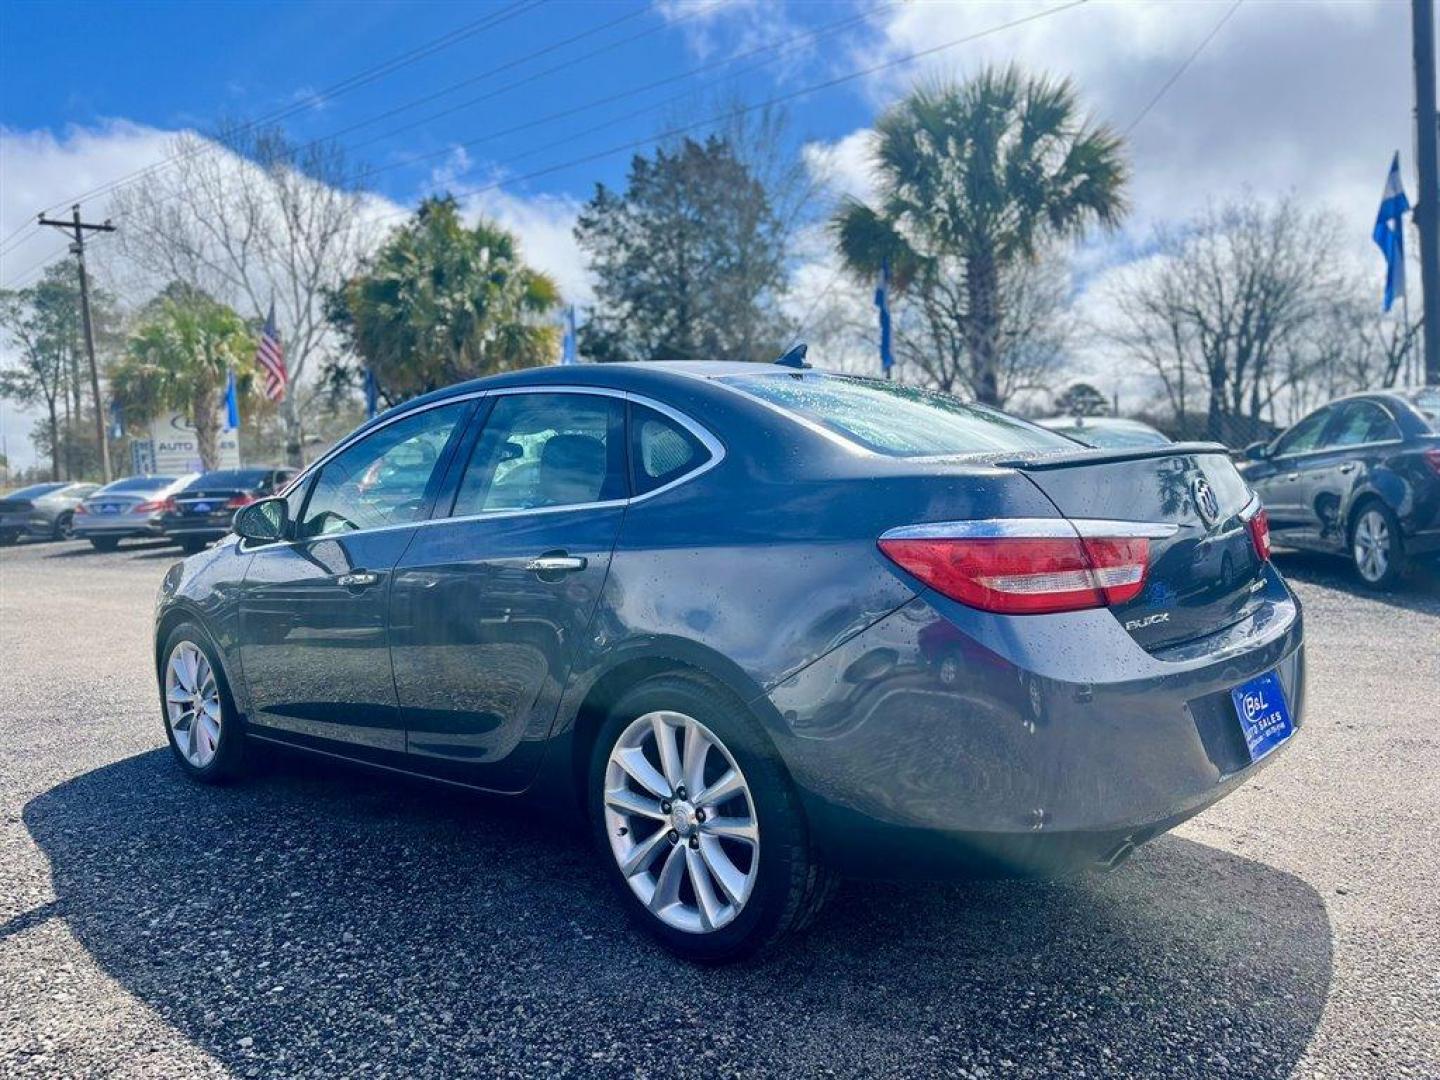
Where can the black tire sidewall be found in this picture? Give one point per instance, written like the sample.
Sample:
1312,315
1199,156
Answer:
1395,567
228,762
104,543
784,850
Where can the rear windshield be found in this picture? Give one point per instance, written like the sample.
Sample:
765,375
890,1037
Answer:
137,483
1113,438
900,421
231,478
34,491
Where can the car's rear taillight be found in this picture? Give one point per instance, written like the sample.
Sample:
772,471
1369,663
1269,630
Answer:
237,501
1432,458
1259,526
81,509
154,506
1025,575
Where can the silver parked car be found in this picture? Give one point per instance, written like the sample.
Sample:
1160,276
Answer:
43,510
131,507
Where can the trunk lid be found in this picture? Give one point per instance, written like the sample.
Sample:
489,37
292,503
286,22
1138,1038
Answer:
1203,577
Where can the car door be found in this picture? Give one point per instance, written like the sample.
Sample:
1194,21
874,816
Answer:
314,641
491,602
1352,445
1278,481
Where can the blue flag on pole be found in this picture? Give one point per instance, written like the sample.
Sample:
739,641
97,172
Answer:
1389,232
569,353
372,394
232,403
882,301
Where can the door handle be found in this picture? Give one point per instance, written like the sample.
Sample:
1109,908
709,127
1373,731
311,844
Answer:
1348,468
1293,476
555,564
359,579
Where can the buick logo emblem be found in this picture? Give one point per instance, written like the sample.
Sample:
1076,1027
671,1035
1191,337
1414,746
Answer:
1206,504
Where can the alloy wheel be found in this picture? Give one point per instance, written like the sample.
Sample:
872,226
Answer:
681,822
192,704
1372,545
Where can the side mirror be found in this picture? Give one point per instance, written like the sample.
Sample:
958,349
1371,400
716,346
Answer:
264,521
1257,451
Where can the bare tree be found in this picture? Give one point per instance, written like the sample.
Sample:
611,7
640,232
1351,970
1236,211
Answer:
933,343
1225,312
252,219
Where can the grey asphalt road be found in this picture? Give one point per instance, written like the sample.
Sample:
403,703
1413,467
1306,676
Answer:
319,921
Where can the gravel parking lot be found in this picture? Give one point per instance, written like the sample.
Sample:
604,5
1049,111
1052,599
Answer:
323,921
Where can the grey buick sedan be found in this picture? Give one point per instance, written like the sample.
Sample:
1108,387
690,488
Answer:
756,625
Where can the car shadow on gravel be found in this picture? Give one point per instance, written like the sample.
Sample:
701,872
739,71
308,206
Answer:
1418,591
323,921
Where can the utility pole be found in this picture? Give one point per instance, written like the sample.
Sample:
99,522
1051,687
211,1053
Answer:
1427,209
77,248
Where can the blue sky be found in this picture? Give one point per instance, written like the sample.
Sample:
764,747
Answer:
1308,99
175,65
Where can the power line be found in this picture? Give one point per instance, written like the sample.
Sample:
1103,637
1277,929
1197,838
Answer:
1183,67
745,109
779,48
361,78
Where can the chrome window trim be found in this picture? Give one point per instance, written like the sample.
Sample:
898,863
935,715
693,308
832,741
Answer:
1032,529
701,433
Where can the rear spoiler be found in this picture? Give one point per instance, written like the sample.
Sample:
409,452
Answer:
1102,457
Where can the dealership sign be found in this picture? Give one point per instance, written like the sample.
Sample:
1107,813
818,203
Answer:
175,449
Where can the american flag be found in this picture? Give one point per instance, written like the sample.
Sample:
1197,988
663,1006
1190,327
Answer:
271,358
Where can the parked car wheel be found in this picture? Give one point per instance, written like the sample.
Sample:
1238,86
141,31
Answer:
105,543
1376,547
192,544
704,837
201,724
64,528
8,537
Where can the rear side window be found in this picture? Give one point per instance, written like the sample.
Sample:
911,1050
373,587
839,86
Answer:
661,450
1362,422
900,421
546,450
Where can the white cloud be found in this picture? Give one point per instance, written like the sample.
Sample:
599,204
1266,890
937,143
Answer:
1302,99
37,169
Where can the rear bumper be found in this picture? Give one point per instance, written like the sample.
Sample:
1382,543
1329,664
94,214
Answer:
117,526
207,527
943,740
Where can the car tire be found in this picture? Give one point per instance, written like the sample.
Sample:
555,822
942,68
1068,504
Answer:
8,537
64,528
757,894
217,752
192,545
1377,550
105,543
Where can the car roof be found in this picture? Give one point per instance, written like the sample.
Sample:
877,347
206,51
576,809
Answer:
638,376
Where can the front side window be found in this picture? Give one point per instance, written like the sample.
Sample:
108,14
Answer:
1303,436
384,478
900,421
661,450
546,450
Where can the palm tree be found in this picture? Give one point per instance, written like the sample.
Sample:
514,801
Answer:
179,357
974,181
442,301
